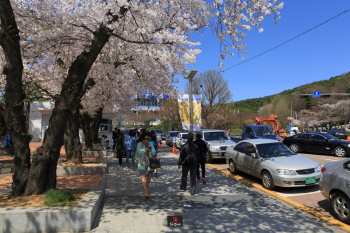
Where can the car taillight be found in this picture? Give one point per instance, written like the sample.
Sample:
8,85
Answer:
335,133
283,139
323,169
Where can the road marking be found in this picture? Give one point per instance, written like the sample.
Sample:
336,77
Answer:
307,209
297,194
332,160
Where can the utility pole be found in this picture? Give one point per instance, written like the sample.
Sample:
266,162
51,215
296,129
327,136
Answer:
190,76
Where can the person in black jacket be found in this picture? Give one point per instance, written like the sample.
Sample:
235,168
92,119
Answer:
188,159
202,151
115,136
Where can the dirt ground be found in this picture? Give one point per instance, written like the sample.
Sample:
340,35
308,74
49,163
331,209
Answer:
69,163
6,157
62,180
37,200
5,180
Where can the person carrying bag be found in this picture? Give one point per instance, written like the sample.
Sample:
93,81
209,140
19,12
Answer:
145,150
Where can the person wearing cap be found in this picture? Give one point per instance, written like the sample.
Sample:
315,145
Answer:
188,160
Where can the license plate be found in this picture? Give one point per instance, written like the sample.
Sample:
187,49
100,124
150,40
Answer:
310,180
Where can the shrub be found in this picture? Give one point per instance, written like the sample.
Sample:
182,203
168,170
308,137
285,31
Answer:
56,197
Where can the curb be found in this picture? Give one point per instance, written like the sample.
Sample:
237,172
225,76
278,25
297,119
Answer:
294,203
71,170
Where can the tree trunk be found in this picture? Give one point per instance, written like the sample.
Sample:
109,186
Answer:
96,121
42,174
14,96
85,124
71,139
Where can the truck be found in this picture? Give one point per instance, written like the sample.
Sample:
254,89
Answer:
255,132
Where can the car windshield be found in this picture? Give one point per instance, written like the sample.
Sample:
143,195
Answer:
330,137
184,136
261,131
173,134
158,131
273,150
213,136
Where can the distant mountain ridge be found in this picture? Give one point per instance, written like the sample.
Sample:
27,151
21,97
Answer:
337,84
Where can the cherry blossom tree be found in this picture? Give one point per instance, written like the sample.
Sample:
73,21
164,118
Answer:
64,44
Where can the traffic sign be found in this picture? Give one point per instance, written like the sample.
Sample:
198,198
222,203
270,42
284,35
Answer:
317,94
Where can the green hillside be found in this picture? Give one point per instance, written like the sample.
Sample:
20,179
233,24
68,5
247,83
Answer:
338,84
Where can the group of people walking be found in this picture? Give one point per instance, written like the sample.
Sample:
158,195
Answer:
145,146
192,156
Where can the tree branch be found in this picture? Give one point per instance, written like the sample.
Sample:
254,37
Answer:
53,97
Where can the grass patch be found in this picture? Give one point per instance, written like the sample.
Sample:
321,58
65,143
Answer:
56,197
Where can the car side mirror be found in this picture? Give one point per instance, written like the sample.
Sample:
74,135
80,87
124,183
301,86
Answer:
253,155
251,135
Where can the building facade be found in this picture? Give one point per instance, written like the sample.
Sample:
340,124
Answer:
39,118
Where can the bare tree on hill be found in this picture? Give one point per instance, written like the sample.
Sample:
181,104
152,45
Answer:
214,90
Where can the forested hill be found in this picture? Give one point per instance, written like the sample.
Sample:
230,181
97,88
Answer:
338,84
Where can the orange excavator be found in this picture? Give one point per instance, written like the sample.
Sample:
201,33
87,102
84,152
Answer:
271,119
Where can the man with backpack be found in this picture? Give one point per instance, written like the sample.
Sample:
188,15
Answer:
188,159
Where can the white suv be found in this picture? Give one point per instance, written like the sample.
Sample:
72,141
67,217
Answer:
217,142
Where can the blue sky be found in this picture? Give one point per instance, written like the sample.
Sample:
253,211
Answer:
317,55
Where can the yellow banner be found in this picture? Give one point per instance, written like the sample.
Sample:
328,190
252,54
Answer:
184,109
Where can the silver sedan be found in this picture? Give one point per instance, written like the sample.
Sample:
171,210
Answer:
273,162
335,186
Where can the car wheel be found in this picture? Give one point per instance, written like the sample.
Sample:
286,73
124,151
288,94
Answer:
232,167
340,207
294,148
339,151
208,158
267,181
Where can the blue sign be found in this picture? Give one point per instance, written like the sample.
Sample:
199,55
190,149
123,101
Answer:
317,94
288,126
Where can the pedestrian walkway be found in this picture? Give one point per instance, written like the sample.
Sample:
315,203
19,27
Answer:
221,205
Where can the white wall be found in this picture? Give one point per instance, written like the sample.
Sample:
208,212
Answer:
38,111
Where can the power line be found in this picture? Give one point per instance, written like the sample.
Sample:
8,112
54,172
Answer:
289,40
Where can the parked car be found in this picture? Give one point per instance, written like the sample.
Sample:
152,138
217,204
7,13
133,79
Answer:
180,140
217,142
161,133
171,137
341,134
159,138
273,162
318,143
334,185
236,138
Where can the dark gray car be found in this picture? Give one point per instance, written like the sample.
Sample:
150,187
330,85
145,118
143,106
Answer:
335,186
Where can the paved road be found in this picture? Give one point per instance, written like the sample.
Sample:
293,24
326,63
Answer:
308,196
222,205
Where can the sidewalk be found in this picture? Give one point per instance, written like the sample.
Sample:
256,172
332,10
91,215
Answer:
221,205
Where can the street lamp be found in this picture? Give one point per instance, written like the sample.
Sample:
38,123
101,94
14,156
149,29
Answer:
190,76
